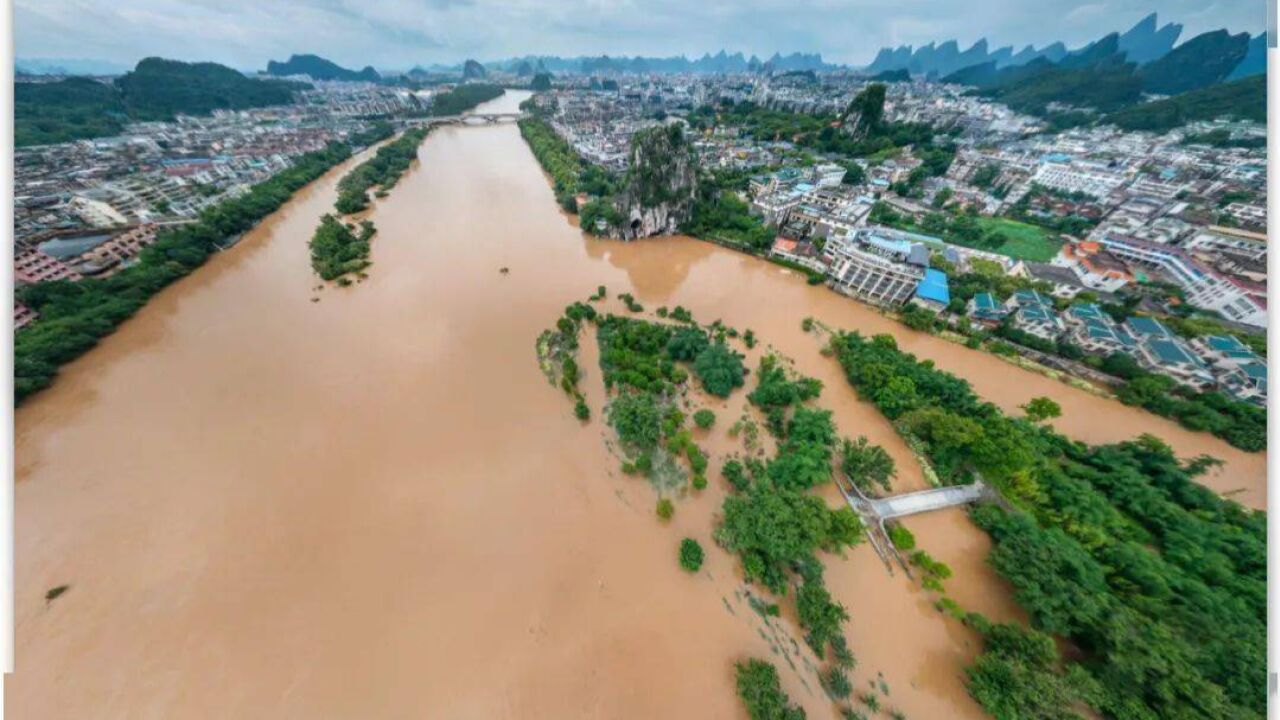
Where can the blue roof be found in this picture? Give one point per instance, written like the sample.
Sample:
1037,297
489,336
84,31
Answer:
1089,311
985,301
1225,343
1036,313
1144,326
934,287
1168,352
899,247
1031,297
1255,370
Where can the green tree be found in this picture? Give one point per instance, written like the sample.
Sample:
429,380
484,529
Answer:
704,418
1041,408
761,691
690,555
720,369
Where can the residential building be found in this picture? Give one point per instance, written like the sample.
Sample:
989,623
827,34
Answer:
876,265
986,308
1205,288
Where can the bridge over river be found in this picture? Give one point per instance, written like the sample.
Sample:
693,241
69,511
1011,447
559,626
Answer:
476,118
876,511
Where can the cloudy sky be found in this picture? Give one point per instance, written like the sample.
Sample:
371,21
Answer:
397,34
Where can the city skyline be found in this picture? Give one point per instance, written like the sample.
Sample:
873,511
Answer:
398,35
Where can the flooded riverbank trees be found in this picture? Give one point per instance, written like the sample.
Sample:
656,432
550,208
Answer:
338,248
1157,582
771,519
74,315
383,170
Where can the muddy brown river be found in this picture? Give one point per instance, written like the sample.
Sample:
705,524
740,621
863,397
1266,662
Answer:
375,505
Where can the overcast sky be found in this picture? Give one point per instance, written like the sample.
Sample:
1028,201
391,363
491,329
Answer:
397,34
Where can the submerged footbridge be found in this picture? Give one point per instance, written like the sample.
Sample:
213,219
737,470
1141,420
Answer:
875,511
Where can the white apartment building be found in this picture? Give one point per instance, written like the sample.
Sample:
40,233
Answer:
1204,287
875,265
1076,178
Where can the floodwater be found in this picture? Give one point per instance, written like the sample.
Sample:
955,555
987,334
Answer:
375,505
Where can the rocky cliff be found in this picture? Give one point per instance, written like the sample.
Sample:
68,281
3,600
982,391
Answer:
661,187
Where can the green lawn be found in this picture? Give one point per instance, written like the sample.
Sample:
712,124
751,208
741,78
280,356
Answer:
1025,241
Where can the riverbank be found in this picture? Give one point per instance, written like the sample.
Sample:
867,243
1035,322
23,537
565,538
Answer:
75,315
306,493
1239,423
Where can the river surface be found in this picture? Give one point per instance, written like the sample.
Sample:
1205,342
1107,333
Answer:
374,504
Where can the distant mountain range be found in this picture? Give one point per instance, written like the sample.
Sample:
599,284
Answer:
1145,43
1210,75
721,62
67,66
317,68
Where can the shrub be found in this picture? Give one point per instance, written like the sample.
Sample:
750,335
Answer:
901,537
836,682
580,410
666,509
690,555
699,482
704,418
761,691
697,459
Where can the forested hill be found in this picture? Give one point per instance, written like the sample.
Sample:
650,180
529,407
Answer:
1244,99
160,89
318,68
79,108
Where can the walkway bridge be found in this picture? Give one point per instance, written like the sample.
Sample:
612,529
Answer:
876,511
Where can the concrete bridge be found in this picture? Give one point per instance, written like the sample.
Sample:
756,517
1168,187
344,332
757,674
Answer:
875,511
492,118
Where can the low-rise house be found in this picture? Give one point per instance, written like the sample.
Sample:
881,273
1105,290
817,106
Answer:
801,252
34,266
1092,330
1246,381
1063,283
1170,356
1094,267
1033,314
22,315
986,308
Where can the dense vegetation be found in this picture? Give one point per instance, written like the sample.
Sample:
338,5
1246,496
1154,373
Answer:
1157,582
1245,99
776,526
382,170
77,108
74,315
1242,424
159,89
761,691
71,109
570,174
463,98
865,132
338,248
